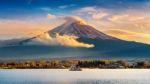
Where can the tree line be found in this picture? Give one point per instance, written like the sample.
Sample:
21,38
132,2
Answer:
65,64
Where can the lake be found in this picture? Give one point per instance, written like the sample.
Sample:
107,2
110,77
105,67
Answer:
63,76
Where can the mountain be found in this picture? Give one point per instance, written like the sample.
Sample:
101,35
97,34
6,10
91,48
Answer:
105,46
77,27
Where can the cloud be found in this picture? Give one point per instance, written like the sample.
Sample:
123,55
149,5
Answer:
129,35
87,10
64,40
125,18
136,20
51,16
93,12
129,15
63,7
99,15
75,19
66,6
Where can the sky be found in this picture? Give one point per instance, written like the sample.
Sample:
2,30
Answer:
125,19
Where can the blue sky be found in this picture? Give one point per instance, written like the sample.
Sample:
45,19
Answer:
12,8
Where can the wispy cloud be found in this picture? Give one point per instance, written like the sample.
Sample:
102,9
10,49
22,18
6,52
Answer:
125,18
66,6
131,19
92,12
51,16
129,35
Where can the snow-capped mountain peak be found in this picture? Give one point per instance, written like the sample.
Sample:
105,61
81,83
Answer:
78,27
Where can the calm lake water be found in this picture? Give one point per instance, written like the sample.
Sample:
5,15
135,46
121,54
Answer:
63,76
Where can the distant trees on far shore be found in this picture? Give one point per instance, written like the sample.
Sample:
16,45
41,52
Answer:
65,64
